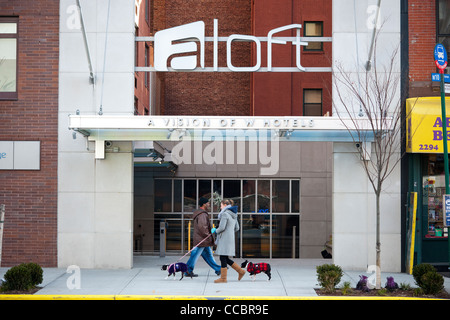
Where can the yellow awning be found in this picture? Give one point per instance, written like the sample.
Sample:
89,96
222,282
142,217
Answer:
424,124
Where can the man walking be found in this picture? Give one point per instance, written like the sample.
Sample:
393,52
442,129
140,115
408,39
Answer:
202,230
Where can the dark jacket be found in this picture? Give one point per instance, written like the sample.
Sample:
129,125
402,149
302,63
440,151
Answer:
202,228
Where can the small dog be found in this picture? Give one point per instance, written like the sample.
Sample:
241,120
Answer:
256,268
174,268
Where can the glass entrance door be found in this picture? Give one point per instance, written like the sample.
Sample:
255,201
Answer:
268,212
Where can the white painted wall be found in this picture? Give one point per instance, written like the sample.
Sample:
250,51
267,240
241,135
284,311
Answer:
95,197
354,217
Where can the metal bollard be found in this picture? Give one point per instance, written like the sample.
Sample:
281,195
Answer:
162,239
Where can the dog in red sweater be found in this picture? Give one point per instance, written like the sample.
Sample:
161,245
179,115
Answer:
255,268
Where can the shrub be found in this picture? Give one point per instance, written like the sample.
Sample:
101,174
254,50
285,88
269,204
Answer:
432,282
37,274
419,270
17,278
427,278
329,276
24,276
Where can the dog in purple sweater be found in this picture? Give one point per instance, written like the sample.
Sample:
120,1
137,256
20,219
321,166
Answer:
174,268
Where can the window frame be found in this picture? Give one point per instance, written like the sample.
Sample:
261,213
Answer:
12,95
305,104
305,48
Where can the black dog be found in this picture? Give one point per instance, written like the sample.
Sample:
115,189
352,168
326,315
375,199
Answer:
174,268
256,268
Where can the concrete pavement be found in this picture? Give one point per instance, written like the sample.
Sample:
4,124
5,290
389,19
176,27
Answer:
291,279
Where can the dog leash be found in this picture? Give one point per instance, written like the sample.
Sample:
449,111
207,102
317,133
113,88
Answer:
190,251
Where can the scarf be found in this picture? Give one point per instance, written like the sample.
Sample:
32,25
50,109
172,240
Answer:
223,210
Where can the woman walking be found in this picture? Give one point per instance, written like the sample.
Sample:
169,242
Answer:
228,226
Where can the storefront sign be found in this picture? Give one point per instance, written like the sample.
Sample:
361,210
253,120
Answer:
182,47
424,125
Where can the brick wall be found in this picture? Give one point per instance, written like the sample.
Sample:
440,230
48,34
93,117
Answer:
236,93
30,197
206,93
281,94
422,40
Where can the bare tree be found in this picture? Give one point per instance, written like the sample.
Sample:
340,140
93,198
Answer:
370,107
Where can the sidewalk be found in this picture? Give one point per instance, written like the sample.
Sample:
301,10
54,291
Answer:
291,279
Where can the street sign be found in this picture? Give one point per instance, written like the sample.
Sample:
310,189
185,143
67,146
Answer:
440,56
446,205
437,77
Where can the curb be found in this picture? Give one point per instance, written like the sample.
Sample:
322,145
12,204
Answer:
172,297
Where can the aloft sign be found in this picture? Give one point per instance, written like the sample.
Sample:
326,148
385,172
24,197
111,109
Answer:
189,40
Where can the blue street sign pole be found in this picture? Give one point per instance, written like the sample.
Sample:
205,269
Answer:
444,134
440,57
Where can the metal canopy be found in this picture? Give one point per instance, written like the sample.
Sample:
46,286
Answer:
175,128
101,128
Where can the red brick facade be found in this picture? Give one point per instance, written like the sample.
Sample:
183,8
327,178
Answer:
422,40
30,197
281,94
243,93
207,93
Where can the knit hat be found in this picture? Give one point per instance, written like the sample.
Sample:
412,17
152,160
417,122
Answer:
202,201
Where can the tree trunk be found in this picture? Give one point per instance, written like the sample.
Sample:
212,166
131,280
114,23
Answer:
378,244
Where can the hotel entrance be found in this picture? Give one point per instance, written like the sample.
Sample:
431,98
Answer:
268,209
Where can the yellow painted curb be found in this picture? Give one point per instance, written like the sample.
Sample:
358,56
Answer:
180,297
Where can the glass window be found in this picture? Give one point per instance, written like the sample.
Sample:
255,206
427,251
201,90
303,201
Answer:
268,229
444,16
295,196
232,190
443,21
173,231
177,195
204,189
313,29
312,102
285,236
163,195
8,58
256,235
280,196
217,195
433,190
263,203
248,196
190,195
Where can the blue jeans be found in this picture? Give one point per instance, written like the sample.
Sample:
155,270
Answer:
206,254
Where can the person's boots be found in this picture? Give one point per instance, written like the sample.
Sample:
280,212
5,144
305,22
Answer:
223,276
239,270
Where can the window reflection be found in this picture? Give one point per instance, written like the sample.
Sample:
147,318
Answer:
232,190
263,204
256,235
280,196
268,214
173,231
163,195
177,195
190,195
285,231
248,195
